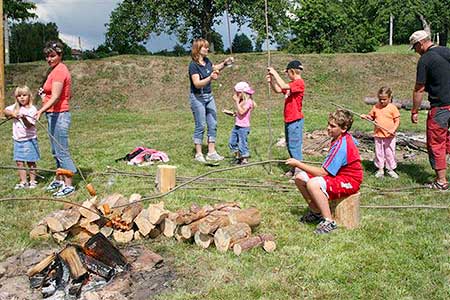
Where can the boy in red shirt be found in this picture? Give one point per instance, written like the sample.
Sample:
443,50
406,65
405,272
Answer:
339,176
293,115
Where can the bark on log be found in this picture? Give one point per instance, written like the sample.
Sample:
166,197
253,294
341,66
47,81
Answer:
73,261
154,233
225,237
40,266
222,206
251,242
251,216
203,240
106,205
62,220
60,236
191,217
213,222
130,212
188,231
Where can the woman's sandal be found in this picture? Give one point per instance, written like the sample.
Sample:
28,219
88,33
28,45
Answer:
438,186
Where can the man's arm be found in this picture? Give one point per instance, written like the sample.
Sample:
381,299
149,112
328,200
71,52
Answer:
419,90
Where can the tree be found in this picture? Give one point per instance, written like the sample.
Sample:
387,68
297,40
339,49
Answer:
133,21
19,10
28,39
241,43
216,39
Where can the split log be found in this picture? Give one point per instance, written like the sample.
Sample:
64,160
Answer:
40,266
188,231
168,225
39,231
250,216
225,237
203,240
251,242
130,212
88,213
154,233
106,231
157,213
143,223
225,205
79,234
123,237
62,220
138,236
269,246
195,208
107,204
191,217
212,222
100,248
89,227
165,178
70,256
178,235
60,236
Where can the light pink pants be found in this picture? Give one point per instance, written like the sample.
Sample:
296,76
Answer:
385,153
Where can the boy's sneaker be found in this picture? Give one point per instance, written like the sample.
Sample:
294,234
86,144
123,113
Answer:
214,156
21,185
33,184
326,226
311,217
64,191
243,161
437,186
54,185
200,158
392,174
379,174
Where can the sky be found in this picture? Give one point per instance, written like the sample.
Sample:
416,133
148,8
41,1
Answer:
84,21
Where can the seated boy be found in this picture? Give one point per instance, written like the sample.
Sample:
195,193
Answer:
339,176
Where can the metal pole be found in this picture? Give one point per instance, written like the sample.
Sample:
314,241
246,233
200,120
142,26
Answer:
391,29
2,64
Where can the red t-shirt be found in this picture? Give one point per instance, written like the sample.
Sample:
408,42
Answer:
293,101
59,74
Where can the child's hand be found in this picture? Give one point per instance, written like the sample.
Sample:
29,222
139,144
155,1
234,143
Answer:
292,162
236,98
366,117
269,78
228,61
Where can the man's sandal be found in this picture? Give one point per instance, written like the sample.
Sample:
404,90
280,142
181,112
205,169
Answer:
438,186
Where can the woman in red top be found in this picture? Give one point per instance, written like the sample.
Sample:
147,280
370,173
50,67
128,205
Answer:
56,93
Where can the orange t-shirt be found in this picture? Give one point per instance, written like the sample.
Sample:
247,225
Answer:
60,74
385,117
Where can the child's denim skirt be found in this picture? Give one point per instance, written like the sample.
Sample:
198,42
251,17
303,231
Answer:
26,150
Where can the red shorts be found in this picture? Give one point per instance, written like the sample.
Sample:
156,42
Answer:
438,136
336,186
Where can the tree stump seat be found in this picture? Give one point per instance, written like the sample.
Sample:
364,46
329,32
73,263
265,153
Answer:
346,211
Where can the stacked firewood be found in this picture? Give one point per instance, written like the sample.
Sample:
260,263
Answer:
225,225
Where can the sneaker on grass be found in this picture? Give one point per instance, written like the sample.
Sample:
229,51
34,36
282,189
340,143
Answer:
64,191
326,226
54,185
311,217
214,156
379,174
33,184
200,158
392,173
21,185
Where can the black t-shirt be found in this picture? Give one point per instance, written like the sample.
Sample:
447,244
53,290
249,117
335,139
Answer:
203,72
433,70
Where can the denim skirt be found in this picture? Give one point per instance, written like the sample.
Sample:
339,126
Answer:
26,150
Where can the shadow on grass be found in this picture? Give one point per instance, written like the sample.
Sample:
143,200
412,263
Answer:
413,170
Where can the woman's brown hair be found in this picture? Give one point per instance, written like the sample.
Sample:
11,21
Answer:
196,46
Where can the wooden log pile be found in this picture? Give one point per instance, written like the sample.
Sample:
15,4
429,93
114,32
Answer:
224,225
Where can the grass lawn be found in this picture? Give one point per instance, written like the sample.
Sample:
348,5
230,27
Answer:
395,254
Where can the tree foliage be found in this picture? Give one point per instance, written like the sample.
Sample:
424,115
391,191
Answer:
28,40
19,10
241,43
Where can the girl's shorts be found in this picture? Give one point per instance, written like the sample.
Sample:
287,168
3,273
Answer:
26,150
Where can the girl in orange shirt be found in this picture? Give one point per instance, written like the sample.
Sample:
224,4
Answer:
386,115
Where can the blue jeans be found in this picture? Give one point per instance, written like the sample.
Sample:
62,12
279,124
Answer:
294,138
238,140
205,113
58,128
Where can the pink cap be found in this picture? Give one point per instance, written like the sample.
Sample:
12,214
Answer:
244,87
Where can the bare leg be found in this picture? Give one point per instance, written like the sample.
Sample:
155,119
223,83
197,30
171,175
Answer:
211,147
319,199
32,166
198,149
22,173
67,180
441,175
301,185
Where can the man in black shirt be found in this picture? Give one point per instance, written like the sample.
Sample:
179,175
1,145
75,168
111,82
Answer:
433,77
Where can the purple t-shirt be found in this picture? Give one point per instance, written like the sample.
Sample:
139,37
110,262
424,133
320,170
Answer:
244,119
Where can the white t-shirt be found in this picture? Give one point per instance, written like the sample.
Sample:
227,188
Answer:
20,131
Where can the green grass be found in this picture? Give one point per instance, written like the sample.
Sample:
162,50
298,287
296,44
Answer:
395,254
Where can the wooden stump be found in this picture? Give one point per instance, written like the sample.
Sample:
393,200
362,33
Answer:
165,178
346,211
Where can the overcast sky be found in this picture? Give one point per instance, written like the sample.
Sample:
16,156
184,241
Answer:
86,19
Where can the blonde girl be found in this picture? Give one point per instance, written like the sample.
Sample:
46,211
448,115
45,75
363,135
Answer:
244,104
387,116
26,148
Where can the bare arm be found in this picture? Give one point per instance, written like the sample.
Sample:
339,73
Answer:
10,114
314,171
277,79
226,62
57,88
240,105
419,90
199,83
